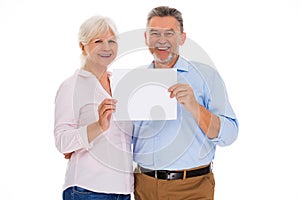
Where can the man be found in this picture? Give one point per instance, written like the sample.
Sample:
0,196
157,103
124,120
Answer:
174,157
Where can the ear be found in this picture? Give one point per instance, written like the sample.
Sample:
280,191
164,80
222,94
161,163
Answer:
146,39
183,38
82,48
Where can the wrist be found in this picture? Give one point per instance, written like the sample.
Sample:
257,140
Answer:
93,131
196,111
99,127
204,118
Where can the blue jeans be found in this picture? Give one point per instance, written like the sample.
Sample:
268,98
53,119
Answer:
78,193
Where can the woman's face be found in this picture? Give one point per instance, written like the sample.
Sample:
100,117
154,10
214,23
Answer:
102,49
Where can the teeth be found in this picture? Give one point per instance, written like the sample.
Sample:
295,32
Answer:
163,48
105,55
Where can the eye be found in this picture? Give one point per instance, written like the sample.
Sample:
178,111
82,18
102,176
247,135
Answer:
154,33
98,41
112,42
169,33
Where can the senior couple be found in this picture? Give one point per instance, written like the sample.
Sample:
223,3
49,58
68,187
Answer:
173,157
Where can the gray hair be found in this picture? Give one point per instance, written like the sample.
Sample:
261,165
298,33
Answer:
164,11
92,27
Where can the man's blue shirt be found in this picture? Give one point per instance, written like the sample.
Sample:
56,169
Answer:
181,144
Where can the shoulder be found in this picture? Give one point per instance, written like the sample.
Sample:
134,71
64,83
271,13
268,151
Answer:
67,86
207,73
70,81
202,68
78,76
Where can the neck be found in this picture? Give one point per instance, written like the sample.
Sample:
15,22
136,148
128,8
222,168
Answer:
101,75
96,70
104,81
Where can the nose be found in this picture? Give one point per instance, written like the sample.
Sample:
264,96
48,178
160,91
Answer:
162,39
105,45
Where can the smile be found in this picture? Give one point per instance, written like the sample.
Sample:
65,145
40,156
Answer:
105,55
162,48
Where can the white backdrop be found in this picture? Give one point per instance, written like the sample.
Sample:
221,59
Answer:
255,45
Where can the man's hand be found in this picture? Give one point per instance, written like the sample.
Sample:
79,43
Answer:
185,95
208,122
68,155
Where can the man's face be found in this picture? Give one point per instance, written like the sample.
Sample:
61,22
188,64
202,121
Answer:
163,37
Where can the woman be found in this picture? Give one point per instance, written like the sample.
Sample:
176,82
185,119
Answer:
100,165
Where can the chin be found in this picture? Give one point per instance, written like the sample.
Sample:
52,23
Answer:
163,60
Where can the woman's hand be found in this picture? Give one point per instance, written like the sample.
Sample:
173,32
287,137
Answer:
105,110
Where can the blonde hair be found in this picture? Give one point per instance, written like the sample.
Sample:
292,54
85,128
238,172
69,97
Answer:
92,27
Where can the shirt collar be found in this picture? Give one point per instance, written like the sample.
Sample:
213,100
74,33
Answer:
84,73
181,64
87,74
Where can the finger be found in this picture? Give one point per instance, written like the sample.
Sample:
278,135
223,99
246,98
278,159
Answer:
68,155
177,85
172,95
171,90
178,88
183,93
108,102
180,92
107,115
174,86
182,99
107,108
181,88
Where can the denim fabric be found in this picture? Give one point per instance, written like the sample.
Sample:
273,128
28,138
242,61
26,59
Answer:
78,193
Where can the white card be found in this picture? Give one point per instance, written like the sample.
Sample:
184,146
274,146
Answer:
142,94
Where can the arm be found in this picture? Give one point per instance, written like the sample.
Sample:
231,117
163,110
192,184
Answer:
217,119
105,110
68,136
208,122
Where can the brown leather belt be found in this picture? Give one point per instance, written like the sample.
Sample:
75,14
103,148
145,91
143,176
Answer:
174,175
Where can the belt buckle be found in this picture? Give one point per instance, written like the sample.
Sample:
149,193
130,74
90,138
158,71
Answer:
168,176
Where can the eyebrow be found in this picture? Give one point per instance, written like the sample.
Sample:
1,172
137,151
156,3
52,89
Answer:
152,29
104,38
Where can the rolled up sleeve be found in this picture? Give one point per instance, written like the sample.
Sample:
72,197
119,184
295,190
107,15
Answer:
220,106
68,136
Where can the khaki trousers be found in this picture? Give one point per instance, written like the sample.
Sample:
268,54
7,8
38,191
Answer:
194,188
